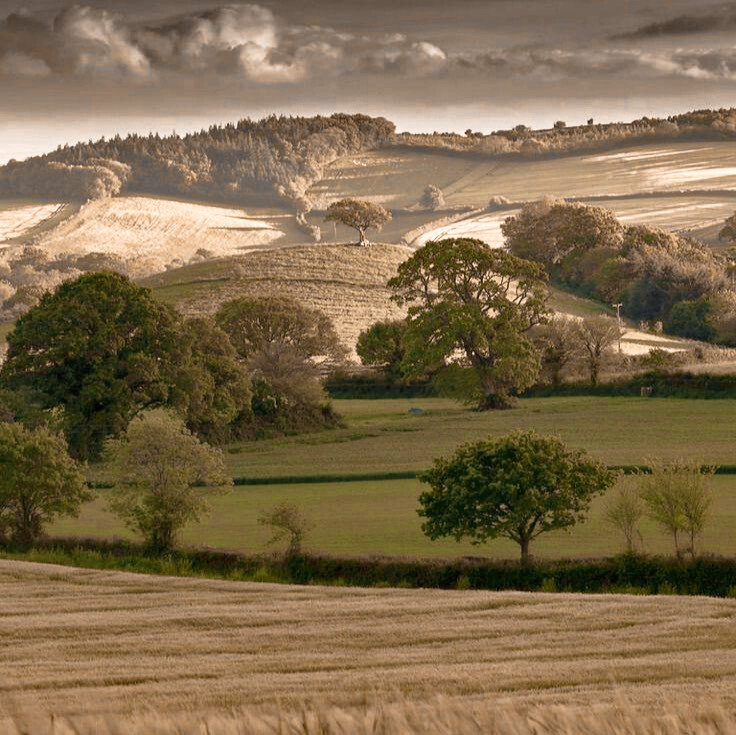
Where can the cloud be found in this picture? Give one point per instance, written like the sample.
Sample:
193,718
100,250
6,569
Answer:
591,64
720,20
249,43
244,40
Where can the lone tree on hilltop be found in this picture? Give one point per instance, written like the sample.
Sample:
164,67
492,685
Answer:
516,486
39,482
471,306
360,215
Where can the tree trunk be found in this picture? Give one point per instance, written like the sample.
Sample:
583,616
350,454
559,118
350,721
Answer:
524,543
363,242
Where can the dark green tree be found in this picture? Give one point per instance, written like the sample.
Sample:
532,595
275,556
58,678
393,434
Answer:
382,346
690,319
100,348
212,386
516,486
473,306
39,482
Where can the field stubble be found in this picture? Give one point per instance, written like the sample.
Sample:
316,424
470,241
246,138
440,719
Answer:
91,642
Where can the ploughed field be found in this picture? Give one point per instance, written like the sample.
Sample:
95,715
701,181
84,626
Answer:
376,515
80,641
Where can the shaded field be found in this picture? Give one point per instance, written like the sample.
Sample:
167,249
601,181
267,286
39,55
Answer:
382,436
111,642
380,517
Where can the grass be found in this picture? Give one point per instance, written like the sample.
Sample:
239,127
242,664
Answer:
379,516
351,518
108,643
381,436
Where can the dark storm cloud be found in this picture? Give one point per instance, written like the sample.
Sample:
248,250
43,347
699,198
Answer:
722,19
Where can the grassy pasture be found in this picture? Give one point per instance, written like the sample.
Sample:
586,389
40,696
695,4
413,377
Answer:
381,436
111,642
379,516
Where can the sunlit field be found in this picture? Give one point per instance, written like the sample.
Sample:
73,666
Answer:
111,642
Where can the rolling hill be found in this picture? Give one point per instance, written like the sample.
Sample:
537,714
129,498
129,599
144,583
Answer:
197,254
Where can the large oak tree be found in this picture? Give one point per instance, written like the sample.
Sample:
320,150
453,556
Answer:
473,306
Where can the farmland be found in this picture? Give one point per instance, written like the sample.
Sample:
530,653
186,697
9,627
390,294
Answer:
114,642
379,516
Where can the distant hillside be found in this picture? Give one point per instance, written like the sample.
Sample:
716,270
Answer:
346,282
561,140
277,157
280,158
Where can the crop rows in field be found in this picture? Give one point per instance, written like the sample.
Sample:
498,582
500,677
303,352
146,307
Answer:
114,642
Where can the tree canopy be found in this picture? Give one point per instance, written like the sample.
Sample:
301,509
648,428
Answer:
358,214
516,486
473,306
39,482
284,346
100,348
163,474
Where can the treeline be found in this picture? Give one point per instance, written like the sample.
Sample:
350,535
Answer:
277,157
560,140
656,275
100,350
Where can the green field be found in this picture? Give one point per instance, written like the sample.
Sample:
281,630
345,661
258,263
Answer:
379,516
381,436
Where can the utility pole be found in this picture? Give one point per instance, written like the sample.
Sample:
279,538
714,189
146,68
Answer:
618,319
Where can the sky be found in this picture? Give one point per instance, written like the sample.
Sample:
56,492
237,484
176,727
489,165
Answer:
73,71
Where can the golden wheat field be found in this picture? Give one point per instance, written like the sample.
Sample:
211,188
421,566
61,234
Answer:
107,644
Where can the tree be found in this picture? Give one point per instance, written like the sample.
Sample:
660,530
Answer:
624,509
516,486
286,520
691,319
39,482
553,231
252,323
474,305
163,474
558,342
432,198
284,346
678,498
100,348
595,335
358,214
728,231
382,346
212,386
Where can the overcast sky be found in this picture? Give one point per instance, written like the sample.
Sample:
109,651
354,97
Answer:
74,71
